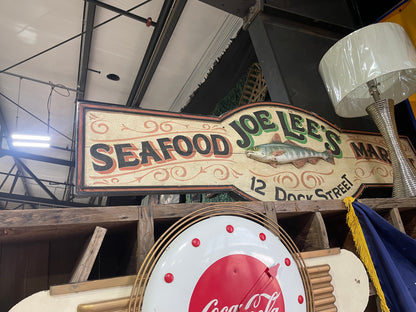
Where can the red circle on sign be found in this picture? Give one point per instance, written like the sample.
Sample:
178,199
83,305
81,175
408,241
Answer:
168,277
237,283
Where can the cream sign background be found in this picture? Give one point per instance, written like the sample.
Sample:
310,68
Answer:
122,150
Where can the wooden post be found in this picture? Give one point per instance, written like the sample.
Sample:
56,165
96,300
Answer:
317,236
84,266
145,229
270,211
396,220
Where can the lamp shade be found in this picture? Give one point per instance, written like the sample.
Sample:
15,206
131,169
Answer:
380,51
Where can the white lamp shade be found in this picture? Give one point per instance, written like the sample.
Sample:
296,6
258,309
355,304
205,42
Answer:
380,51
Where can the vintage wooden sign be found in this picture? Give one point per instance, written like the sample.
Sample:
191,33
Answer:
262,151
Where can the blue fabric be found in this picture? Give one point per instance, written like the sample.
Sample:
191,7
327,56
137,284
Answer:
394,256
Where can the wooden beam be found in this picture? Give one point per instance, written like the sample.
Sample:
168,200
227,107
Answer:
145,233
86,261
31,224
270,211
92,285
48,223
320,253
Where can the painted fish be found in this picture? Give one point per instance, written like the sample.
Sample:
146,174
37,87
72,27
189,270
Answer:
279,153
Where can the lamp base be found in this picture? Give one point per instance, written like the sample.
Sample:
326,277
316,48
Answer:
404,174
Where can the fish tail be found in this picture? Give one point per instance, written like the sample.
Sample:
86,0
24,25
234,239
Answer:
329,157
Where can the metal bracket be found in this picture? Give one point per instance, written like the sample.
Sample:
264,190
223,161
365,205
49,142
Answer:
253,12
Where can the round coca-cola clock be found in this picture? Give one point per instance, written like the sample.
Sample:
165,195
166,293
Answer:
223,263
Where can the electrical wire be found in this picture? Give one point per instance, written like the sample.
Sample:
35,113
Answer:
17,110
34,116
49,101
71,38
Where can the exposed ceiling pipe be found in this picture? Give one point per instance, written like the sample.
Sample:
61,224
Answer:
122,12
168,18
84,54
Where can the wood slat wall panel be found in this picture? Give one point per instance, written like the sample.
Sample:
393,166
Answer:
22,273
50,236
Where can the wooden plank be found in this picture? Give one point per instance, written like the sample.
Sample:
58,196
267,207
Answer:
115,305
26,224
47,223
270,211
317,235
396,220
145,233
84,266
307,230
91,285
320,253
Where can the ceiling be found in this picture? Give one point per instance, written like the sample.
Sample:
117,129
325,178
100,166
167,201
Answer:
152,54
58,52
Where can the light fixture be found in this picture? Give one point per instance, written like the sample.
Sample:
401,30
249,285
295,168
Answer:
30,140
369,71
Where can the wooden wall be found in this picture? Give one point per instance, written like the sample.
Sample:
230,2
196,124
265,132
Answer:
40,248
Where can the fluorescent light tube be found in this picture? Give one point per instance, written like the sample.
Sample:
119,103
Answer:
30,144
30,137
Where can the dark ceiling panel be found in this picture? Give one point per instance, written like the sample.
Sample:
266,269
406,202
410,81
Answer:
236,7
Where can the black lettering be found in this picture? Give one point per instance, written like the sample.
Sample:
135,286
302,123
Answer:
359,150
166,148
384,155
197,139
246,140
148,151
336,192
286,129
279,191
372,152
123,154
249,124
320,193
291,196
189,151
329,194
216,139
296,122
346,186
263,117
313,128
332,144
107,162
344,176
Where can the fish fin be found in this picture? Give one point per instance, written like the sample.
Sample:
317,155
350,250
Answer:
278,153
299,163
298,145
313,160
292,143
330,157
276,138
274,165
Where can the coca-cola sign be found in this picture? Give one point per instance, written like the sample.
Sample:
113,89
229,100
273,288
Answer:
225,264
255,287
